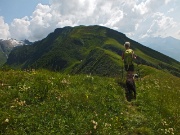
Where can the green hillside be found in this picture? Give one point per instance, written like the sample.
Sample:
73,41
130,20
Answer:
46,102
3,52
86,49
3,58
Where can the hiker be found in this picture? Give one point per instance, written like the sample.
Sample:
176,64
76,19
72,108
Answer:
128,56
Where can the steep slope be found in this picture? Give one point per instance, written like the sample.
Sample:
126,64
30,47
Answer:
101,62
71,49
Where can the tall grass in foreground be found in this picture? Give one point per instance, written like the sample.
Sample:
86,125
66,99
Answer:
44,102
159,99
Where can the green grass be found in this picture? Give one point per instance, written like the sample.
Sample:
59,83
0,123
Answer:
159,100
44,102
100,61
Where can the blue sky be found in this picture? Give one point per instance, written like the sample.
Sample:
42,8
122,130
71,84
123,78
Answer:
138,19
11,9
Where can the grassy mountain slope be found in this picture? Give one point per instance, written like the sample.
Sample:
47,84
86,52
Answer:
99,61
2,57
44,102
70,48
4,51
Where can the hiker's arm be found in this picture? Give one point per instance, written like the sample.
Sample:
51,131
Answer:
134,56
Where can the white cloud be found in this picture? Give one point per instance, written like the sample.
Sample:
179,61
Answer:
4,29
166,23
170,10
136,18
42,22
178,33
141,8
19,28
167,1
115,18
160,25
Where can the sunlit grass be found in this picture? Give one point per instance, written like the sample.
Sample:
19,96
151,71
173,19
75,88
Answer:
44,102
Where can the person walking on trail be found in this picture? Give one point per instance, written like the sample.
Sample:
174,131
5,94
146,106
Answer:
128,56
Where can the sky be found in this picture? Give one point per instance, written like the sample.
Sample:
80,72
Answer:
138,19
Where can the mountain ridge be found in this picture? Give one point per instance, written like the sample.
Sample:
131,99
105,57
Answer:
66,48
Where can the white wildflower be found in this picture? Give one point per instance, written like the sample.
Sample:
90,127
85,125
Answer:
6,120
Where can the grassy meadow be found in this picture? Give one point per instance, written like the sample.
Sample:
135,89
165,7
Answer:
51,103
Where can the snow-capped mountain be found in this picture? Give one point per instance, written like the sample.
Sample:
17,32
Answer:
13,42
7,45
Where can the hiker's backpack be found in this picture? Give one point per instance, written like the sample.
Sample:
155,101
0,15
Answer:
128,57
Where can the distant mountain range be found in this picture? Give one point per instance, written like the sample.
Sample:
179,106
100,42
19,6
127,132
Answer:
168,46
7,45
86,49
